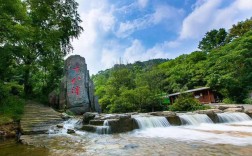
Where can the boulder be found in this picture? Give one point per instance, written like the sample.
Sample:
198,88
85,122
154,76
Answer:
118,122
96,122
65,116
77,89
249,112
89,128
130,146
234,110
115,116
223,107
172,117
211,113
87,117
121,125
70,131
60,126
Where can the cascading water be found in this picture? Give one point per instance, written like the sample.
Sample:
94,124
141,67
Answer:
105,129
194,119
72,124
233,117
150,122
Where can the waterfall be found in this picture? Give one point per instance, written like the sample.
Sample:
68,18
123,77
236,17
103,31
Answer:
194,119
150,122
105,129
233,117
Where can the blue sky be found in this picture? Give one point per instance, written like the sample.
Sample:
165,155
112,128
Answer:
133,30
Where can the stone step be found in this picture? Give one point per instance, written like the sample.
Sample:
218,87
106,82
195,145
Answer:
44,112
96,122
37,119
36,131
89,128
39,123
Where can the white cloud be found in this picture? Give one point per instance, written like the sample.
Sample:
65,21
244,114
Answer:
199,20
142,3
137,52
165,12
128,27
161,14
109,57
98,20
209,15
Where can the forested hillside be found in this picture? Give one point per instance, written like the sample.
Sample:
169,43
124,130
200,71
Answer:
223,62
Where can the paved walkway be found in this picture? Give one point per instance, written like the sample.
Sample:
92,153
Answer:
37,118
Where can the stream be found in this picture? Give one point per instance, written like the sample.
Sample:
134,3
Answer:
198,136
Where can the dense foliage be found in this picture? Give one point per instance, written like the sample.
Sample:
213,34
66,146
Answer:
224,64
132,87
186,102
11,102
35,35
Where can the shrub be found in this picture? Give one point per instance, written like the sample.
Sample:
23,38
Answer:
186,102
228,101
248,101
13,107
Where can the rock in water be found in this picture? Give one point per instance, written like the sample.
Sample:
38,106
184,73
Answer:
77,89
87,117
70,131
60,126
249,112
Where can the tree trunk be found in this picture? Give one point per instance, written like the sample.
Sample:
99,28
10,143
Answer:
27,85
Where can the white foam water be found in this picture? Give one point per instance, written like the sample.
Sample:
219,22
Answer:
233,117
199,128
208,133
105,129
72,123
151,122
194,119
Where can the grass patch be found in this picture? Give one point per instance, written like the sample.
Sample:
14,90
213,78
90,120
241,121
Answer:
12,107
5,119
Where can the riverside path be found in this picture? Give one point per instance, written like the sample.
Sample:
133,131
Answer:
38,118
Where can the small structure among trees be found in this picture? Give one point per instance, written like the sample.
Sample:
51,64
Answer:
204,95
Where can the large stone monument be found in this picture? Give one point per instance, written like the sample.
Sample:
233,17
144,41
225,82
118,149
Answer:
77,89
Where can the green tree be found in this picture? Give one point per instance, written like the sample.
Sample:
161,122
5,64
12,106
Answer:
240,29
39,32
213,39
230,68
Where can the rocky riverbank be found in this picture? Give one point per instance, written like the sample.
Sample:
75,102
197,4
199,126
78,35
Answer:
9,130
118,123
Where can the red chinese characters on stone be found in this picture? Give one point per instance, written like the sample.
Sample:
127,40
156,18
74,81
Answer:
73,81
76,69
75,89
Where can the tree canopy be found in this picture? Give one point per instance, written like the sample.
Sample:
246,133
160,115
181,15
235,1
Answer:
35,36
222,64
213,39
